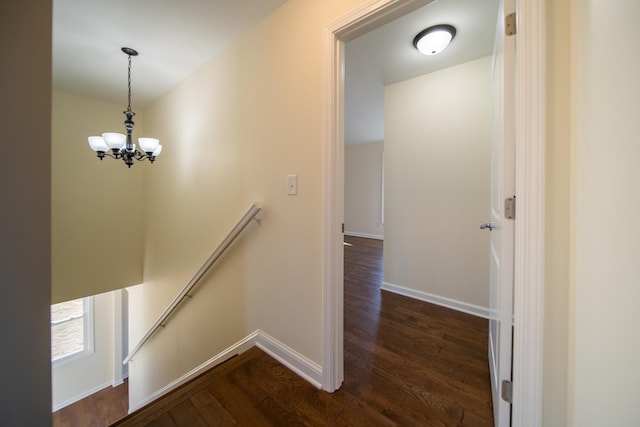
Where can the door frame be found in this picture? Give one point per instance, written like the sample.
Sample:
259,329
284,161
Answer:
530,191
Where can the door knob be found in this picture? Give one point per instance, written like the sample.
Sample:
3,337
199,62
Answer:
488,225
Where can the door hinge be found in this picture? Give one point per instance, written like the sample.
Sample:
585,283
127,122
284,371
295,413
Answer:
343,228
507,391
510,208
510,24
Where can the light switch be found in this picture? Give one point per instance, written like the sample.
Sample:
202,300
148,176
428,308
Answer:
292,185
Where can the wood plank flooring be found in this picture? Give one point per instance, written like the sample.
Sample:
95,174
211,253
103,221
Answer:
98,410
407,363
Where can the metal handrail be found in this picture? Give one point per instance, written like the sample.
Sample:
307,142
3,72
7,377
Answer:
244,221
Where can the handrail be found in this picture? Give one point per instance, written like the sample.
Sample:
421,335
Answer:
244,221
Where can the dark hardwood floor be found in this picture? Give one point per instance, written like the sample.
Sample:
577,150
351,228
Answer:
98,410
407,363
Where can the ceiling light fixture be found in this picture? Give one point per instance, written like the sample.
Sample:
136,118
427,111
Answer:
121,146
434,39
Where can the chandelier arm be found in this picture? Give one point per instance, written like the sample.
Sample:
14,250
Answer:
140,156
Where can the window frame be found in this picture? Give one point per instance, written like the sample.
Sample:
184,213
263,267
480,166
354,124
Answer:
88,336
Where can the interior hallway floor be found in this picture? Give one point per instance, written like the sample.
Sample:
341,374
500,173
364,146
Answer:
407,363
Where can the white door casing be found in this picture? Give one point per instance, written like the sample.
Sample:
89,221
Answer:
529,179
528,297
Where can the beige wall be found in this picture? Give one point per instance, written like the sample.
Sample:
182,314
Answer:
590,373
232,132
96,207
558,162
363,189
605,287
25,212
194,195
282,135
437,176
580,355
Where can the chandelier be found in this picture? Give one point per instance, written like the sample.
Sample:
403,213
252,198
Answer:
120,146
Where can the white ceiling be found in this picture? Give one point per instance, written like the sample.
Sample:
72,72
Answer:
386,55
174,38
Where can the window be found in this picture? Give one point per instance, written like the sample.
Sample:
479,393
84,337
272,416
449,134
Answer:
71,330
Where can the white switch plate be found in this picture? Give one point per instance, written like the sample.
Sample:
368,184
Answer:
292,185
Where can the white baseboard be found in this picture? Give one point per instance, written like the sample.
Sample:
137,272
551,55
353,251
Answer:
305,368
475,310
237,348
365,235
81,396
117,381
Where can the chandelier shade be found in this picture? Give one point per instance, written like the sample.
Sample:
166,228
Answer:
97,143
115,141
148,145
121,146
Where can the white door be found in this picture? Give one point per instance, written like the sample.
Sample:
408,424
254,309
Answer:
500,227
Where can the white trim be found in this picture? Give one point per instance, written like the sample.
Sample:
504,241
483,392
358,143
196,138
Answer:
365,235
453,304
89,325
237,348
302,366
70,358
332,274
529,226
530,140
120,370
381,187
80,396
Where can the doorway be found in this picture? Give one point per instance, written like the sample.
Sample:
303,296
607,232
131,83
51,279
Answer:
437,139
530,158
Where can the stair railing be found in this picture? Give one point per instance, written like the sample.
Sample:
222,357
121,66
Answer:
162,320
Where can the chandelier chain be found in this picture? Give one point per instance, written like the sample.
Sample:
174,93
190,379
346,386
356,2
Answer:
129,85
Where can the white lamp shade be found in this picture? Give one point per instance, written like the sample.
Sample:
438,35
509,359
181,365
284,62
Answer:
434,39
97,144
158,150
148,145
114,140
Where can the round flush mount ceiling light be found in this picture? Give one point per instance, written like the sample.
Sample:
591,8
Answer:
434,39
